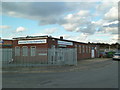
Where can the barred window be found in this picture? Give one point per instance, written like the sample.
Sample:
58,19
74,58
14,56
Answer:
79,48
33,50
83,49
75,46
86,49
17,51
89,50
25,51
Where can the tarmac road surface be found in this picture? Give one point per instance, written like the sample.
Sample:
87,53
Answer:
94,76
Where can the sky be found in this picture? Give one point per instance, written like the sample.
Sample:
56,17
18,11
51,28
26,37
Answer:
79,21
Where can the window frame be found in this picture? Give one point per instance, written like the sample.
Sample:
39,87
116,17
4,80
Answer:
17,52
86,49
31,50
83,48
89,49
79,48
26,51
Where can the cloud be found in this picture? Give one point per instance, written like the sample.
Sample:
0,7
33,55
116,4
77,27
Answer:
111,24
44,12
79,22
70,26
47,31
86,38
111,30
105,26
108,10
83,13
20,29
81,37
84,17
50,30
5,27
65,36
115,37
105,5
112,14
71,16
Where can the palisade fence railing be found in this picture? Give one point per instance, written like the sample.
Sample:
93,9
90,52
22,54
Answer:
27,57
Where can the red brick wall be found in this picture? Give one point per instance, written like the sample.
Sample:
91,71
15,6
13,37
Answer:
7,44
86,54
33,59
53,41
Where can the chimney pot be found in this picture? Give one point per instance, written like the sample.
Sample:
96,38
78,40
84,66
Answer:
61,37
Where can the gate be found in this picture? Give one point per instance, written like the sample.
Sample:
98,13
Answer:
62,56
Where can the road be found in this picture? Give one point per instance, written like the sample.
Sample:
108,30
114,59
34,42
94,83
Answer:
101,74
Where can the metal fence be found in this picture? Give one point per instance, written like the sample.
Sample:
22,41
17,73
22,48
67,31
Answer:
38,57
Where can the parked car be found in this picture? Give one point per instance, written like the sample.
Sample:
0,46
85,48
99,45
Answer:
102,54
116,56
110,54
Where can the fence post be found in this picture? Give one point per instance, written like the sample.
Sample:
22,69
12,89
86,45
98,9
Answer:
75,55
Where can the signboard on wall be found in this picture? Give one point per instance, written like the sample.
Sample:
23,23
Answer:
42,54
32,41
64,43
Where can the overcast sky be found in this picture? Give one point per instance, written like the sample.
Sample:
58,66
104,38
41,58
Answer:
78,21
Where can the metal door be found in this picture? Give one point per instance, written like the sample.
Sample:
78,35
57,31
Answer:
60,56
93,53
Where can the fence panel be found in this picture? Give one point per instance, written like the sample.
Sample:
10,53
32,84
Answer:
70,56
39,57
6,56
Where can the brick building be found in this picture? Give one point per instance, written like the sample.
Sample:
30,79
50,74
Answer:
6,43
33,43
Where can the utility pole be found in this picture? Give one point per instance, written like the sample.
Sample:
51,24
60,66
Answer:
109,47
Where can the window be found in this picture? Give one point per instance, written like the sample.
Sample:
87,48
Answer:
75,46
89,50
93,48
25,51
83,49
86,49
17,51
79,48
33,51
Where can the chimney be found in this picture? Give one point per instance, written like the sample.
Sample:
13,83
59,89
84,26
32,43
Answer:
61,37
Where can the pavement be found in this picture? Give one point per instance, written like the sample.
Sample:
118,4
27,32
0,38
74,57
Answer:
89,73
81,65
